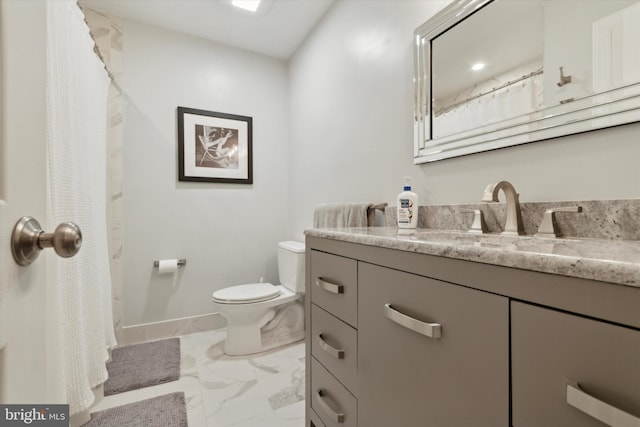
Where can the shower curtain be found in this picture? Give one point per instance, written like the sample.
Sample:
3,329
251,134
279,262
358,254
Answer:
77,86
521,98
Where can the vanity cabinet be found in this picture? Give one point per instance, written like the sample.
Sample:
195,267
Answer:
398,338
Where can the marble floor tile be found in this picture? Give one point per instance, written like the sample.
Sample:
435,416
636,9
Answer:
264,420
291,415
261,390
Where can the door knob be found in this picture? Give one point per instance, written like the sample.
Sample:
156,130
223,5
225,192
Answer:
28,239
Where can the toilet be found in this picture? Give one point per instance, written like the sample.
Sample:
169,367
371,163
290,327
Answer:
262,316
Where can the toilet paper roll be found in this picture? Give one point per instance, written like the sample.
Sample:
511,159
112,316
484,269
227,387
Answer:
166,266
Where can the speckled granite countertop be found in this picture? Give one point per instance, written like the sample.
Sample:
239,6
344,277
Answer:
614,261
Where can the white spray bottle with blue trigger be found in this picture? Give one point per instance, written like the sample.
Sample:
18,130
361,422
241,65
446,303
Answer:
407,214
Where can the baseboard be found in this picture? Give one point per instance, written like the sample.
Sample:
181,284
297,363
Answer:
169,328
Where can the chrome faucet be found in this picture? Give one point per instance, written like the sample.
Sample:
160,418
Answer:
513,224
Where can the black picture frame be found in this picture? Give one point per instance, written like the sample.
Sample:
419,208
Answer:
214,147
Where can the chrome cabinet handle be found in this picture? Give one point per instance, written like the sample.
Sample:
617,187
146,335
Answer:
28,239
601,411
328,286
335,416
431,330
337,353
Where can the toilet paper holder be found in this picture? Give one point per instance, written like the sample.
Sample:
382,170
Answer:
180,262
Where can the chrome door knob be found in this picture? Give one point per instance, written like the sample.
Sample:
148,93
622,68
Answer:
28,239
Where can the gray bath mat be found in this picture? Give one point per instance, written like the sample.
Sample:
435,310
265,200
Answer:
143,365
162,411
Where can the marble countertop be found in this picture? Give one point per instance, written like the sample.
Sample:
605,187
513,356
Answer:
613,261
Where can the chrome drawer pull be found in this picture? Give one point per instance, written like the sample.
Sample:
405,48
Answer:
335,416
431,330
338,354
328,286
601,411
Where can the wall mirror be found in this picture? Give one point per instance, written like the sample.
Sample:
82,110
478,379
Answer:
490,74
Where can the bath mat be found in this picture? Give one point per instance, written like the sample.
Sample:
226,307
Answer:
162,411
143,365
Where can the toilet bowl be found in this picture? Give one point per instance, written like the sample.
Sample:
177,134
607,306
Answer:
263,316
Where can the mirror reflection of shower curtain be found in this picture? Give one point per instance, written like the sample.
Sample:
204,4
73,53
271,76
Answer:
520,98
77,88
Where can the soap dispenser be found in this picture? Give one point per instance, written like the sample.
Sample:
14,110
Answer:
407,207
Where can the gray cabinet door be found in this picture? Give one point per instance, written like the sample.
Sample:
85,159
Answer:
408,379
551,349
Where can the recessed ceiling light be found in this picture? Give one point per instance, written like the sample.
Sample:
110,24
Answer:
477,67
250,5
247,7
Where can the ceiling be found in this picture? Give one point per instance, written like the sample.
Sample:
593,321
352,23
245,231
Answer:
278,32
482,39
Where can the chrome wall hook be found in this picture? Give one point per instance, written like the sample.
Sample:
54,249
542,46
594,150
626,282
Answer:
563,79
28,239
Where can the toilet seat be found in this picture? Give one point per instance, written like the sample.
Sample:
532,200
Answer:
246,294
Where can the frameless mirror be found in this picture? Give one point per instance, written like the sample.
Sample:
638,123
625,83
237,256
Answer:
495,73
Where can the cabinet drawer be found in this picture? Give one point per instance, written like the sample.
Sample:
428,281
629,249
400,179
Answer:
551,349
315,419
334,285
335,344
408,379
332,402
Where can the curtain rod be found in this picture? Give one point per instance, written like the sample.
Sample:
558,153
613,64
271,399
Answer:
495,89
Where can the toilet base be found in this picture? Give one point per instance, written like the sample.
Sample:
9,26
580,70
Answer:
277,327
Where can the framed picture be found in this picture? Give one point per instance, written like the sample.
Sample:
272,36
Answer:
214,147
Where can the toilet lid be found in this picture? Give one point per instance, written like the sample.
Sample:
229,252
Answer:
243,294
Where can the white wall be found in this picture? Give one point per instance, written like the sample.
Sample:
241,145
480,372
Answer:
335,125
352,134
227,232
573,52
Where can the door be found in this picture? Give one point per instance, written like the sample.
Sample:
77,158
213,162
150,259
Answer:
28,366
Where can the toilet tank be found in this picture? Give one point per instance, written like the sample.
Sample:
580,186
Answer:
291,265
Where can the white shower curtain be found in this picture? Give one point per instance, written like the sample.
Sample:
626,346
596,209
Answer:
521,98
77,86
